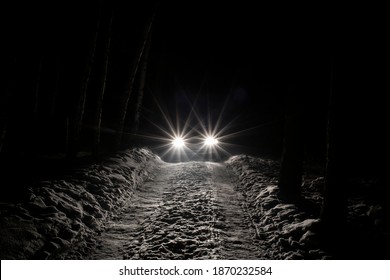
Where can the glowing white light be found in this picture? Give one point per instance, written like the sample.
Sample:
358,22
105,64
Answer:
210,141
178,142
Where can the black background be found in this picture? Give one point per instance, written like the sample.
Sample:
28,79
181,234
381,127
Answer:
237,61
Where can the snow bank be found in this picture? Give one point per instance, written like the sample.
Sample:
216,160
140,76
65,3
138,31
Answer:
59,214
284,231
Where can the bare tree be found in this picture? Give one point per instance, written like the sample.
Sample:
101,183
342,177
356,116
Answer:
55,90
76,121
124,100
141,86
37,89
4,108
3,132
334,210
102,89
292,158
33,121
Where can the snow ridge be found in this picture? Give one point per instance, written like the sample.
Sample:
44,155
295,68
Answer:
284,231
61,214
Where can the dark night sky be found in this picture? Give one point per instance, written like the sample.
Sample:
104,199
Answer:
249,54
245,53
225,48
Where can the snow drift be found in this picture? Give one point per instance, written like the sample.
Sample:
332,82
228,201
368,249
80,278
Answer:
284,230
59,214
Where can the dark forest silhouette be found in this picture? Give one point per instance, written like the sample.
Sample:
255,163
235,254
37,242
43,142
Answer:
82,87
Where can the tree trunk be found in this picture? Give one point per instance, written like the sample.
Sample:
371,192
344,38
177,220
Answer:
55,92
37,89
67,133
290,179
78,115
102,88
33,143
6,104
141,89
334,210
3,133
128,91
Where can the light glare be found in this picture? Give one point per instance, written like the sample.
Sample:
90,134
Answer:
210,141
178,142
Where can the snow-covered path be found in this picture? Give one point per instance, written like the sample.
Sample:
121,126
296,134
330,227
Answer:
188,210
135,206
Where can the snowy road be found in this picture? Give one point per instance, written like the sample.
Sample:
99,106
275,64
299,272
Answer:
135,206
187,211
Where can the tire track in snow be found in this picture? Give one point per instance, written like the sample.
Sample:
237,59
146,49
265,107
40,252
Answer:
190,211
144,202
239,237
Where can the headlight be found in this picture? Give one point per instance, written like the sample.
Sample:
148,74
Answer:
178,142
210,141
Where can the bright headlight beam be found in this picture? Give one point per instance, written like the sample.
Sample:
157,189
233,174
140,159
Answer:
210,141
178,142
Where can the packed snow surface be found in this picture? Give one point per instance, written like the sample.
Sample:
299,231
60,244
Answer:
188,211
135,206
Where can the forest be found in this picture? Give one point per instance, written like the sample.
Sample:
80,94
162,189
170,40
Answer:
84,80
